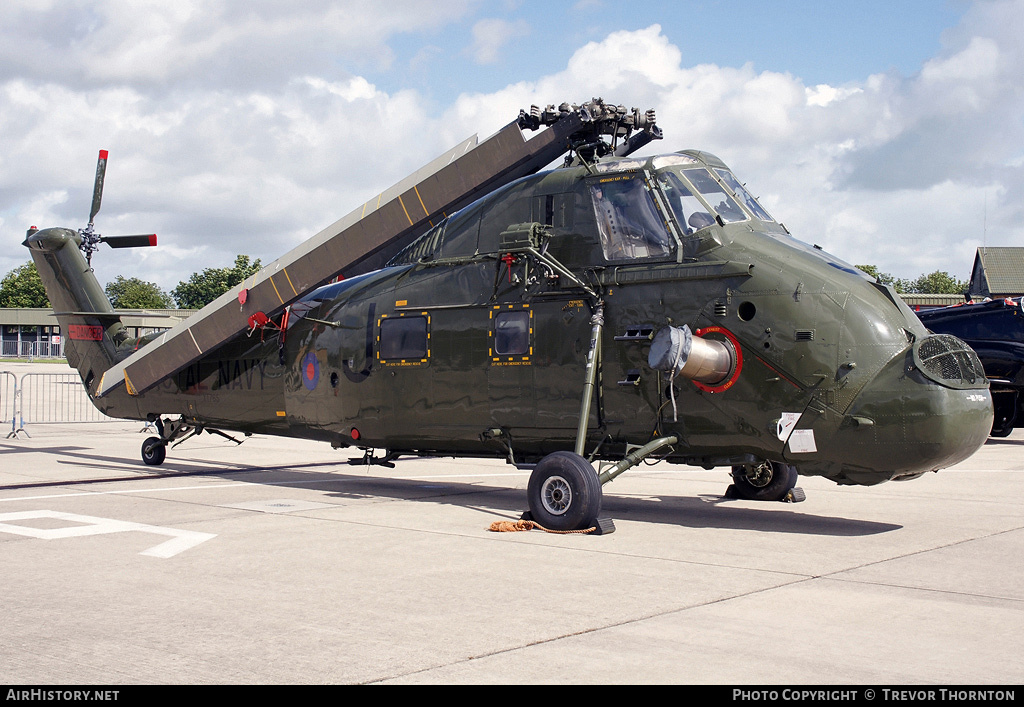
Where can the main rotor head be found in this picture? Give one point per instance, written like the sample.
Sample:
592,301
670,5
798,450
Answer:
599,120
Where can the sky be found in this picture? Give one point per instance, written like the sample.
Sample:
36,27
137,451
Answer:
890,134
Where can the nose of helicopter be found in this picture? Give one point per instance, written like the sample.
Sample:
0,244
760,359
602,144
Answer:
924,411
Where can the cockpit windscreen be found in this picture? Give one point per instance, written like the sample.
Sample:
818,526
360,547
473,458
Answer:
740,191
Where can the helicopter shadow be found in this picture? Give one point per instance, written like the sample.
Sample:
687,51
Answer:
332,480
509,503
1004,441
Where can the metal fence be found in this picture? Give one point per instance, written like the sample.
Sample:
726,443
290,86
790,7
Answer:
55,397
8,399
32,349
41,398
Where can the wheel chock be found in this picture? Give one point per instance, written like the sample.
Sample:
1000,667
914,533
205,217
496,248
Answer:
605,526
795,495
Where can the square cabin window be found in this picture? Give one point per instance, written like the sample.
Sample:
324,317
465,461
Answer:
403,338
512,333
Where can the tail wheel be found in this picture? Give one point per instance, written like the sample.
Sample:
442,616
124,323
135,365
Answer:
564,492
154,451
767,481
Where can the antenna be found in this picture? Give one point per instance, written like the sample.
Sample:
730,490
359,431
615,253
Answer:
984,226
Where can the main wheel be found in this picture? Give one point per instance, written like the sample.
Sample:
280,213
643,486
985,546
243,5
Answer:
564,492
767,481
154,451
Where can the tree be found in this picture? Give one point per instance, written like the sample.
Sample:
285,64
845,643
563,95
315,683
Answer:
22,287
901,286
939,282
202,288
133,293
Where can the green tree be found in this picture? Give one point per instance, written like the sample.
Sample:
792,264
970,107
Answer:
22,287
901,286
133,293
939,282
202,288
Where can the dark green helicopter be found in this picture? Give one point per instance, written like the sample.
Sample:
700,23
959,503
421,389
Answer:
613,310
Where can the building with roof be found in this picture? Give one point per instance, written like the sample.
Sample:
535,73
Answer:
34,333
918,302
998,272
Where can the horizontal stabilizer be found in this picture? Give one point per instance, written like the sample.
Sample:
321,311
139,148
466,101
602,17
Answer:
115,313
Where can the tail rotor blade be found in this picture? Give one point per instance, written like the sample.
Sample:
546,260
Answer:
129,241
97,191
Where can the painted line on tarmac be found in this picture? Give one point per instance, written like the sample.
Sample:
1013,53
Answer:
180,541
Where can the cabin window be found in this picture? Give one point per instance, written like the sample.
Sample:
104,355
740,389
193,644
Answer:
743,195
403,339
511,334
628,220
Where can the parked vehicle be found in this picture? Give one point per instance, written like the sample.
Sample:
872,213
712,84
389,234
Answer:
995,330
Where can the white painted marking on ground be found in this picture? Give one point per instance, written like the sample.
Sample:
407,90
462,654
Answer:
181,540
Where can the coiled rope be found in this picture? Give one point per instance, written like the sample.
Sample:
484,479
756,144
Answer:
510,526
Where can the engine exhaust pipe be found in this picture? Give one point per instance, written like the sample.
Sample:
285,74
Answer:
680,353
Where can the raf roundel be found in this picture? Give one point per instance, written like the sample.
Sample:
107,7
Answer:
310,371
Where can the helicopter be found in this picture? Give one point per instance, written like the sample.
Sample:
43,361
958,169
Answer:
611,311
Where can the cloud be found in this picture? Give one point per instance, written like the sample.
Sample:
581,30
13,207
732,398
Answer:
247,127
230,43
490,36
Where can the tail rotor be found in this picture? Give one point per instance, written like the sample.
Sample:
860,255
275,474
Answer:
90,239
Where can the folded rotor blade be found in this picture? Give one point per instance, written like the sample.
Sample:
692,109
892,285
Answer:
129,241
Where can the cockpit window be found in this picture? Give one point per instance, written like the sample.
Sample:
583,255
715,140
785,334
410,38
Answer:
715,195
746,197
690,212
628,220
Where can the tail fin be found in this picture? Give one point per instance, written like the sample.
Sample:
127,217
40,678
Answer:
95,339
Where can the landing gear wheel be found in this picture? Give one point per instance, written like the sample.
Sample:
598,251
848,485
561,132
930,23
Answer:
154,451
564,492
767,481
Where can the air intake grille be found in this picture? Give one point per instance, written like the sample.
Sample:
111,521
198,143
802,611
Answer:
948,360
